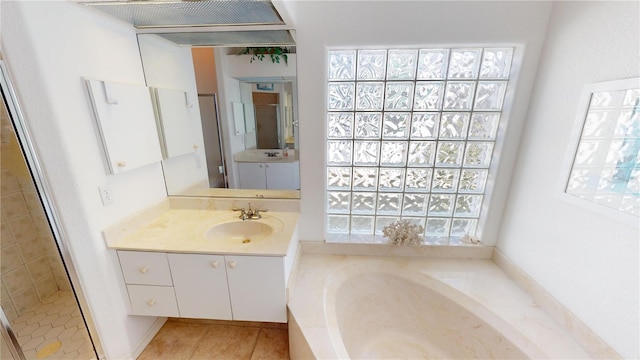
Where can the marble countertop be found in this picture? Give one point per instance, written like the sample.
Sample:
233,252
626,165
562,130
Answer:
260,155
184,231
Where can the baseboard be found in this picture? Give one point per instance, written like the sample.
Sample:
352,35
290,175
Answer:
580,332
148,336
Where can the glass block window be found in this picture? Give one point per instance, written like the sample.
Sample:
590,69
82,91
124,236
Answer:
410,135
606,162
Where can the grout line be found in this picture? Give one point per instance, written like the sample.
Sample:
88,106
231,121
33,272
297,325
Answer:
205,330
255,345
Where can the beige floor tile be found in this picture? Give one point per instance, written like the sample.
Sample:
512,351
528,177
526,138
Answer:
176,340
272,344
227,342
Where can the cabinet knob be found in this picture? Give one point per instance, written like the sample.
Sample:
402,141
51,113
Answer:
195,146
266,166
232,264
122,163
143,269
214,264
260,165
151,302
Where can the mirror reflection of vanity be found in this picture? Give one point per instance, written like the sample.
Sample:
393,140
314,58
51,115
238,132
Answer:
240,119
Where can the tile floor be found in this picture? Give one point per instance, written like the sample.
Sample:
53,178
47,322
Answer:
211,339
54,330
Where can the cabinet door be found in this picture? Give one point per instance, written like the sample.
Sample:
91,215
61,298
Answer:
176,122
257,288
200,283
252,176
125,119
280,176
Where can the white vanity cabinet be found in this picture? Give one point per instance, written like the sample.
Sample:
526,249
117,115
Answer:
271,175
224,287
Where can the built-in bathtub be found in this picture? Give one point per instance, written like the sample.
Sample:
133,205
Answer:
360,307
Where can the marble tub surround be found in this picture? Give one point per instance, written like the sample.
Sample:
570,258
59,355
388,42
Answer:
578,329
477,285
428,251
177,227
260,155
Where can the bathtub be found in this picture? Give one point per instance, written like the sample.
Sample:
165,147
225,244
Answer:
360,307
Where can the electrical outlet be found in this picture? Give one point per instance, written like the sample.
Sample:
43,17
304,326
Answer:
106,194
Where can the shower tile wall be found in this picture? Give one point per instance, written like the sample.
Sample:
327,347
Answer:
30,267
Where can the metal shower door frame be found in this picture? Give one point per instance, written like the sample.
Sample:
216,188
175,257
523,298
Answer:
45,196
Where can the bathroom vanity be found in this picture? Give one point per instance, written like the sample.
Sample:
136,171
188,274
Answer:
208,264
259,171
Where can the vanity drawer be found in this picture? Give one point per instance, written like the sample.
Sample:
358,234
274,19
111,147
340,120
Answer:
153,300
145,268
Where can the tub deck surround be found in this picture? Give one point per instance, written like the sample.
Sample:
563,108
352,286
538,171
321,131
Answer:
321,288
181,226
430,251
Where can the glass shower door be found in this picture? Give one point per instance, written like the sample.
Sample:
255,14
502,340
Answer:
38,300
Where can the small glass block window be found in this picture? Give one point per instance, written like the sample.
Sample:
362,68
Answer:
606,162
411,134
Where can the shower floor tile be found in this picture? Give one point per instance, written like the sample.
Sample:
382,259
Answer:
54,330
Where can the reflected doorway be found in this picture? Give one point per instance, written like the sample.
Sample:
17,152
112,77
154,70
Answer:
267,107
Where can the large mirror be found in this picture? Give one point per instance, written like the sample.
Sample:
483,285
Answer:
233,115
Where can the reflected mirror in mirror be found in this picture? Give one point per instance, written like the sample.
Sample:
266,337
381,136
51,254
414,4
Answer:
237,115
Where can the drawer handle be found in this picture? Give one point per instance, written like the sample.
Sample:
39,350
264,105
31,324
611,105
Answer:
214,264
144,269
151,302
232,264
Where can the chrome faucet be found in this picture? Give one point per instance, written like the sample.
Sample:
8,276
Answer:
249,213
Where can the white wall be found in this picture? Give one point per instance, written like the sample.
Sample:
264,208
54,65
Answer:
49,47
586,261
323,24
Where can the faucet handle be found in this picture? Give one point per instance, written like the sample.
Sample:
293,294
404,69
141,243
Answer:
256,213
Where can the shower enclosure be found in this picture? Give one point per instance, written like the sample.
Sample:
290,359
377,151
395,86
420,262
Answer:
42,311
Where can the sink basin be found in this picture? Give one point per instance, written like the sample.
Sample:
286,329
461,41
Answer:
240,232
